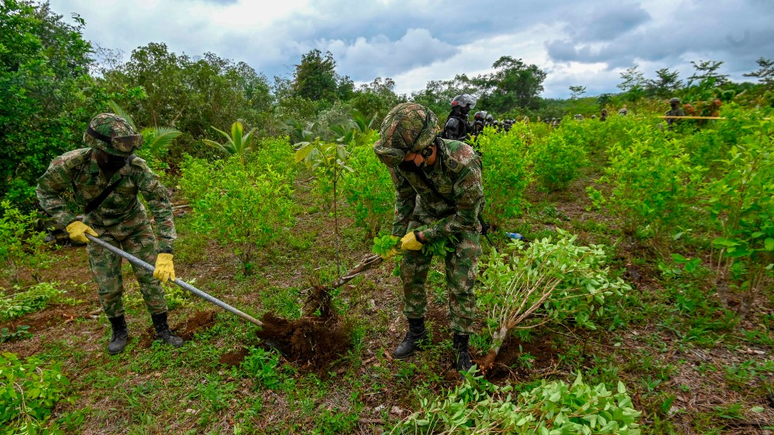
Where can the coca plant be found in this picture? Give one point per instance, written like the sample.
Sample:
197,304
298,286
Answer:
740,203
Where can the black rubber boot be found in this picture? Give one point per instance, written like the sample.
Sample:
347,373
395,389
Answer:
414,339
120,335
162,330
462,357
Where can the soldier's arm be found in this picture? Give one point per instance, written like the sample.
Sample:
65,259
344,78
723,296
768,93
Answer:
55,181
469,199
157,197
405,200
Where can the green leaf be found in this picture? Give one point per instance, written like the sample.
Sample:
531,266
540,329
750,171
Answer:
677,258
769,244
724,242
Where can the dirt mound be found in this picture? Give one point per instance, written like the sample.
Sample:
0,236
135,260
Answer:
316,341
517,358
184,329
231,359
51,316
198,321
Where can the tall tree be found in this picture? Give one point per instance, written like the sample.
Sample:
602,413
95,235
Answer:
438,94
577,91
633,84
513,84
315,77
665,84
191,94
47,95
707,72
376,98
764,74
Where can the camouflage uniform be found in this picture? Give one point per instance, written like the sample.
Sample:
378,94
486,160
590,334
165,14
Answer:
456,175
121,220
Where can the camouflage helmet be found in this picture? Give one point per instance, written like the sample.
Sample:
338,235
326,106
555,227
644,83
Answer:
674,100
112,134
408,127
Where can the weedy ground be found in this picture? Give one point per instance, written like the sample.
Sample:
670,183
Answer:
690,363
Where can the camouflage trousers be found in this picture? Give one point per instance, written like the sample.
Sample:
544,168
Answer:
461,268
106,269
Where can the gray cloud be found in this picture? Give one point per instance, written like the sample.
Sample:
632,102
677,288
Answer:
723,31
611,21
380,56
424,41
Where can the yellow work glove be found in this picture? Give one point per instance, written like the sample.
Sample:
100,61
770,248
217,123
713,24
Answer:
165,270
393,251
409,242
77,229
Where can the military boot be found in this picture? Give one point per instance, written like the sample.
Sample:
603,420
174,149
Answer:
414,339
120,335
461,355
162,330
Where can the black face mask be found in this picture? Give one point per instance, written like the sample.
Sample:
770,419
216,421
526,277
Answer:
110,163
410,166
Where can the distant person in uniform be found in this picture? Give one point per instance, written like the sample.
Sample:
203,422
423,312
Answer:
457,126
675,110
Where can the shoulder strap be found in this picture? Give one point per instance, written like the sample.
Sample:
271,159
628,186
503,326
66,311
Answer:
96,202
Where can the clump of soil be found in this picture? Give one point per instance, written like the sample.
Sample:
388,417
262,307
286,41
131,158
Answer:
316,341
311,340
508,361
184,329
231,359
198,321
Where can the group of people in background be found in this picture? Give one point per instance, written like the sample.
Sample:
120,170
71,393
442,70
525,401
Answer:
457,126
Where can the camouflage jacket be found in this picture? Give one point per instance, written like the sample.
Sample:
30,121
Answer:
121,212
456,174
676,112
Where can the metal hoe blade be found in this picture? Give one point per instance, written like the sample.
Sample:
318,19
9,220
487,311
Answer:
136,261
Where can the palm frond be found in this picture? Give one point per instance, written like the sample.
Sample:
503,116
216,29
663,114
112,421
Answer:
118,110
162,137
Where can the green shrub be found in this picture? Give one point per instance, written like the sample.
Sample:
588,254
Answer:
551,279
557,161
740,203
21,247
247,207
34,299
28,393
505,174
478,407
368,191
651,184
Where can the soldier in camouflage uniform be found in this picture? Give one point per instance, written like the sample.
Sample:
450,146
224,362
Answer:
675,110
118,219
440,191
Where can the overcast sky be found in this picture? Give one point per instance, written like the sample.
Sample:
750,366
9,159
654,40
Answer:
581,42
